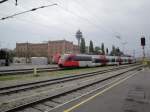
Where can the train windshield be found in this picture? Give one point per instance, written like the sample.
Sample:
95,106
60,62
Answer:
64,57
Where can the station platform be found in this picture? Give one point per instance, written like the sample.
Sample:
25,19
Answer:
130,95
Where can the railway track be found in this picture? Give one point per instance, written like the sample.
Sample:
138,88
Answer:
26,71
38,84
69,90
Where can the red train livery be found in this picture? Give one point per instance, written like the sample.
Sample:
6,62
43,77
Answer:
81,60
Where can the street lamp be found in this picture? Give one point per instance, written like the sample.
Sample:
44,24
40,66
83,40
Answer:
123,46
122,43
78,37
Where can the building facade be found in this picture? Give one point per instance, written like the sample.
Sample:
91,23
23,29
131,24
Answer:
48,49
31,50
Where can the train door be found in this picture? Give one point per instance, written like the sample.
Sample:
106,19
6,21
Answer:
103,60
85,61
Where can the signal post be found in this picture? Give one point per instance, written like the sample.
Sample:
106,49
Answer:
143,47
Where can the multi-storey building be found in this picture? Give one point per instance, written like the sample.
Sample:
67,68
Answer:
48,49
31,50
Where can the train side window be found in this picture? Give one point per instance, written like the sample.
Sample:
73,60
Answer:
75,58
97,60
69,59
86,58
108,60
82,58
113,60
93,60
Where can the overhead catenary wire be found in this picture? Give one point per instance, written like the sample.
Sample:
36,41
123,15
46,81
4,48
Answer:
2,1
33,9
36,23
111,30
89,21
117,34
98,26
84,18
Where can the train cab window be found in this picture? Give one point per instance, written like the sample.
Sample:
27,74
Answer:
69,59
75,58
63,57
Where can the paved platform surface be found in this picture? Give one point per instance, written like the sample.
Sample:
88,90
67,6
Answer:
25,66
131,95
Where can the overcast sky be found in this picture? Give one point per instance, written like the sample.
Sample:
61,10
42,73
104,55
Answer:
99,20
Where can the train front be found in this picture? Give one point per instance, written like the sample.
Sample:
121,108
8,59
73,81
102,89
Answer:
62,61
67,61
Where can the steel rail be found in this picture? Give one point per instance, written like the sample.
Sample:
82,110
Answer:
37,101
27,71
38,84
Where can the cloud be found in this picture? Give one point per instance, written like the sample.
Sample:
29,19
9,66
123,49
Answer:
99,20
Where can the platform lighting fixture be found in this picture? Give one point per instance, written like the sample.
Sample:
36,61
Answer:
78,36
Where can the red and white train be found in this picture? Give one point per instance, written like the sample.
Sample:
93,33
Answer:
81,60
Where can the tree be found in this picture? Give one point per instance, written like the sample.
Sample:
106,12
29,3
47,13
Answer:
107,51
82,46
97,50
4,54
91,49
103,48
116,51
113,52
12,54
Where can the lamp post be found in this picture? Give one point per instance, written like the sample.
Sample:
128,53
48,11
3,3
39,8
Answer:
78,37
123,46
122,43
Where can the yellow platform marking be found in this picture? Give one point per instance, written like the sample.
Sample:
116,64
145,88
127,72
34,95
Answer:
100,93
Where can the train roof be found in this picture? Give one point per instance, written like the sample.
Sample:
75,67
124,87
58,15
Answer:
95,56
